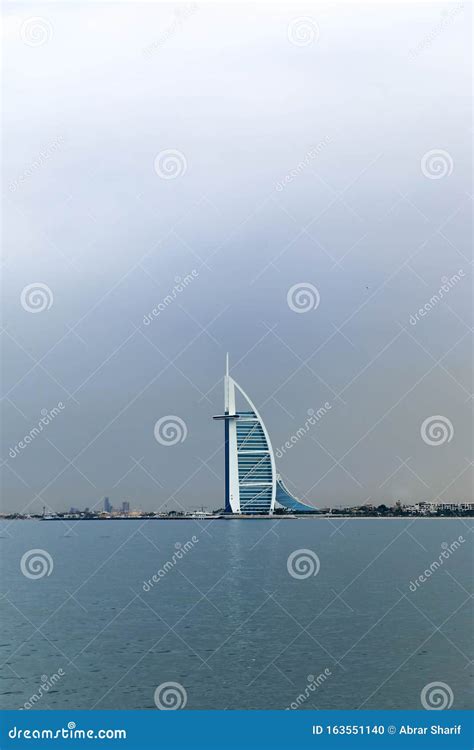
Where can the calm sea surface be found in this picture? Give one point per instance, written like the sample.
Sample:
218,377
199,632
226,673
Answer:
228,622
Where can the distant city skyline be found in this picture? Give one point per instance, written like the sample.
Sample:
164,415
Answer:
368,510
210,179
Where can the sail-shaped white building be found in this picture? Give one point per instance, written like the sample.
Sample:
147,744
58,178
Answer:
252,485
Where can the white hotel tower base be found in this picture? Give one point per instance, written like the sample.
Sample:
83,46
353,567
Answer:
251,482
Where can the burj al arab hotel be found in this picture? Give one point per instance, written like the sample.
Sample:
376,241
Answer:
252,485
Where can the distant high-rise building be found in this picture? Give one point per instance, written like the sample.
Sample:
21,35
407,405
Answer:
107,505
125,506
252,484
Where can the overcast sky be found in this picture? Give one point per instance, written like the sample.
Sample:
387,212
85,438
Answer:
316,145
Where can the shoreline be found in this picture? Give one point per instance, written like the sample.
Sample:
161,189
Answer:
309,517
